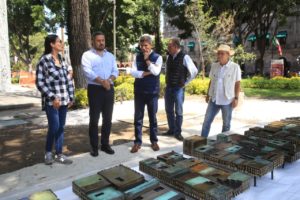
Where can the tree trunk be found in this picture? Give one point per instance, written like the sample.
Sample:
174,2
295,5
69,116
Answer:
202,64
79,37
261,44
5,78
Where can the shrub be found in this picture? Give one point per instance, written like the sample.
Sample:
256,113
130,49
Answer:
15,80
123,79
197,86
162,88
124,92
81,99
274,83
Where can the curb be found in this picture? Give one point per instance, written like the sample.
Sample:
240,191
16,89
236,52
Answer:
17,106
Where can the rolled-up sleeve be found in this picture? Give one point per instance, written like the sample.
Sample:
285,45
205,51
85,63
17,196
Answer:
87,67
115,71
155,68
188,62
134,72
238,74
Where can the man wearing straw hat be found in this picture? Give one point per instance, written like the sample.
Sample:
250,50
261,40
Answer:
223,89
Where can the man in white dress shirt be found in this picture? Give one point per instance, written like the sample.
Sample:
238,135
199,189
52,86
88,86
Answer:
224,89
100,69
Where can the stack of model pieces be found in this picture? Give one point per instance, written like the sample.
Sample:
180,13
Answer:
43,195
122,183
237,153
195,178
283,135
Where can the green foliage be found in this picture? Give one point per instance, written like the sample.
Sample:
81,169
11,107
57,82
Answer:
134,18
177,17
57,14
241,56
15,80
24,21
81,99
124,79
272,93
274,83
18,66
162,88
124,92
197,86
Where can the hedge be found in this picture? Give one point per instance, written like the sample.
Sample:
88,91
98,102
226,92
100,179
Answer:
124,87
274,83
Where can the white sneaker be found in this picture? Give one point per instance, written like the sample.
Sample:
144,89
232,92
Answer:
49,158
61,158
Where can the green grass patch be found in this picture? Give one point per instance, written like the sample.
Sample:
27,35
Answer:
273,93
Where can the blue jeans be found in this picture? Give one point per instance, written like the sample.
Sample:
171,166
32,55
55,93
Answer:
211,112
174,98
140,100
56,123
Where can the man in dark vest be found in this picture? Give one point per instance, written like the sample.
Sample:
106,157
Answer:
180,71
146,69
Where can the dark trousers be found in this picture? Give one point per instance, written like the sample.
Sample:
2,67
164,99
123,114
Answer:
140,100
56,123
100,101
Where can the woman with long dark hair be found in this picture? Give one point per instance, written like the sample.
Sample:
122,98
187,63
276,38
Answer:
57,92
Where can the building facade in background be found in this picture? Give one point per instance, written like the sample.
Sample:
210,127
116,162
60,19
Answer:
287,35
189,45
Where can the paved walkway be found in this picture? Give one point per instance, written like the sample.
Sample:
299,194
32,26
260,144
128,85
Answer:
252,112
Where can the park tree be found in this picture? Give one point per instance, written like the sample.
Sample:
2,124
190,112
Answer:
25,21
195,19
249,17
259,16
203,24
79,33
256,17
57,16
175,10
134,18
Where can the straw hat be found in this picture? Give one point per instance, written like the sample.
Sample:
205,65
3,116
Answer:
224,47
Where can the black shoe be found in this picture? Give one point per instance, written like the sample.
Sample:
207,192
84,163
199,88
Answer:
179,137
168,133
94,153
107,149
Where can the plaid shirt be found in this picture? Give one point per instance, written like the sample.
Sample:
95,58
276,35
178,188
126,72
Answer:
54,82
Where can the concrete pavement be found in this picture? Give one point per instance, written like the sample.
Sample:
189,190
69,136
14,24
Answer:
253,112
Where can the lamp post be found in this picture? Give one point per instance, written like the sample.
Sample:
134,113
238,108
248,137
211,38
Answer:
114,24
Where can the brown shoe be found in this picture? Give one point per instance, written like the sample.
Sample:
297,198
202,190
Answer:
135,148
155,147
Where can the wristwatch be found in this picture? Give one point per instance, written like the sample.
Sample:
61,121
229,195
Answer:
236,98
110,81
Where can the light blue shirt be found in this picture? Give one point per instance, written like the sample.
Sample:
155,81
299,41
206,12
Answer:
95,65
